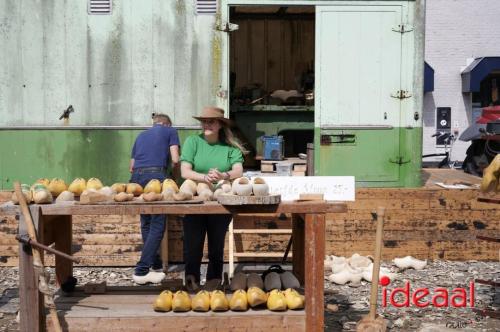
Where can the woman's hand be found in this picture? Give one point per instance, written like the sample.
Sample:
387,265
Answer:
215,175
211,177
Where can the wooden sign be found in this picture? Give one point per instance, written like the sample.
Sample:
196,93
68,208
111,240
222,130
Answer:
333,188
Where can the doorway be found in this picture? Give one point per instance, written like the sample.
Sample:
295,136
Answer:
271,64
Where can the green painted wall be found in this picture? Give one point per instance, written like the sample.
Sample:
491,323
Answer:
31,154
371,155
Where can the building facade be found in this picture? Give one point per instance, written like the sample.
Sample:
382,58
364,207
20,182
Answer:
457,32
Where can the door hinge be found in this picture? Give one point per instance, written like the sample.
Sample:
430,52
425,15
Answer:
402,28
227,27
401,94
222,94
399,160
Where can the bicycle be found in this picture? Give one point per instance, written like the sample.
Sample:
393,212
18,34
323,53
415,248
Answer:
448,140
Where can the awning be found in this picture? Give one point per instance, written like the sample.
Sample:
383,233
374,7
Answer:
477,71
428,78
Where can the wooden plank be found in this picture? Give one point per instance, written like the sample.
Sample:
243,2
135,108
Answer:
260,254
229,321
206,208
30,299
262,231
266,168
274,58
432,175
257,53
314,248
293,161
249,200
300,168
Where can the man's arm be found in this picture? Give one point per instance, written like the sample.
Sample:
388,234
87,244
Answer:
174,157
131,166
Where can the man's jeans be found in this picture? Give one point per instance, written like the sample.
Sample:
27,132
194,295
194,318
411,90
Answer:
214,226
152,228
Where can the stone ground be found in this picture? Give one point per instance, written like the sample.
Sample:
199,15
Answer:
344,305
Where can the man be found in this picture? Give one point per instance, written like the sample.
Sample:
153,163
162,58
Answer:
151,153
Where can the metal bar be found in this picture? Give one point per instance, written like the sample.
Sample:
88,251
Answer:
289,245
86,127
34,243
348,127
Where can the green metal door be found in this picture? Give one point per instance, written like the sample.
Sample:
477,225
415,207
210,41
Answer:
358,76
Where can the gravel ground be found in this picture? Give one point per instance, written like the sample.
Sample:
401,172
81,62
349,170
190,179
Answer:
344,304
347,304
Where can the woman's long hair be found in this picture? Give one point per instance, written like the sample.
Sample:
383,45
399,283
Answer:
226,135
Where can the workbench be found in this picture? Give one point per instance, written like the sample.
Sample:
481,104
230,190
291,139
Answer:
134,312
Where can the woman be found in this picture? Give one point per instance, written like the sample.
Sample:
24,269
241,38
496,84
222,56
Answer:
209,157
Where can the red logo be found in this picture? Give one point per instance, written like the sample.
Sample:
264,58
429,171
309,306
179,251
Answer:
424,297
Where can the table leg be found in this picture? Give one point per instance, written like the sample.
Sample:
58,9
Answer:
31,301
63,236
298,247
314,248
164,244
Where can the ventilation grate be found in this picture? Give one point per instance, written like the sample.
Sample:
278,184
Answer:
99,7
206,7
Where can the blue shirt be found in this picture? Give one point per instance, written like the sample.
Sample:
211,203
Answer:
152,146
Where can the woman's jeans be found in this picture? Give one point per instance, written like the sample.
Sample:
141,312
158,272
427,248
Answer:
152,227
195,228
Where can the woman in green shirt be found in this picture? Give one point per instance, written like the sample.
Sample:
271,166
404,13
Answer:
209,157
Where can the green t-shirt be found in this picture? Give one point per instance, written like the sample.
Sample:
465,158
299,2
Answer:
204,156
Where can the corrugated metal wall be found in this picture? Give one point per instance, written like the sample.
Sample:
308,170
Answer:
148,56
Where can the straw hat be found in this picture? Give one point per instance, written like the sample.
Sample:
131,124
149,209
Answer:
213,113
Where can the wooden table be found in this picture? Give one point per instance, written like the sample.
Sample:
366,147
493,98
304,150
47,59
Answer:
54,225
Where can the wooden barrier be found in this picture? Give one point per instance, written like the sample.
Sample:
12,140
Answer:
425,223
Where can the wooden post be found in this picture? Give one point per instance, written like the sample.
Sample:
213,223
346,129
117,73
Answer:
230,247
63,236
298,247
314,248
31,301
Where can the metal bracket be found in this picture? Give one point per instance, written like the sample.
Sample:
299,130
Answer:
401,94
227,27
222,94
399,161
402,28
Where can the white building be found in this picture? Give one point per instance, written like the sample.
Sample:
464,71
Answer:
457,32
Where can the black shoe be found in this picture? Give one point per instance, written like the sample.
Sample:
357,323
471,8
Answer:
288,280
192,285
213,284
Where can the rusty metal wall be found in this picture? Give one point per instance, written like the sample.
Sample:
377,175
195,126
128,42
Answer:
147,56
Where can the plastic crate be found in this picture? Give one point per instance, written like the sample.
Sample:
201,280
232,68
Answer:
272,147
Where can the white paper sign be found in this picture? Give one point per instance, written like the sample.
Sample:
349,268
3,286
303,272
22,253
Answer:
334,188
